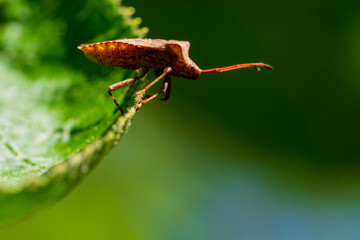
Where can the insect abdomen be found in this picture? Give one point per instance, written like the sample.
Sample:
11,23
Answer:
112,53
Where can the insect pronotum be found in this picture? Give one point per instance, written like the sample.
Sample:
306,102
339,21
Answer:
167,57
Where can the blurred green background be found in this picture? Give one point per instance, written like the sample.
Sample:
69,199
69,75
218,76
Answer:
237,155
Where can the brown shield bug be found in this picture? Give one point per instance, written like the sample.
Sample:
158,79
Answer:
167,57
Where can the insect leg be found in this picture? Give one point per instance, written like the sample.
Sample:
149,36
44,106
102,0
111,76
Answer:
165,72
164,89
121,84
137,78
167,90
132,84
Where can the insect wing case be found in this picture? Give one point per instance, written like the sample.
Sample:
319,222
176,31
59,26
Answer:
126,53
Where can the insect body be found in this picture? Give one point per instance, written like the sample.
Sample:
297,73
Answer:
167,58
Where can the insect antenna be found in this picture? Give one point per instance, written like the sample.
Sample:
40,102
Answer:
237,66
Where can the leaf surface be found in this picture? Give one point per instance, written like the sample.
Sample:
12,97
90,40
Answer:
56,118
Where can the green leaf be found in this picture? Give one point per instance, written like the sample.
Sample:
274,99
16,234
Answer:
56,119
